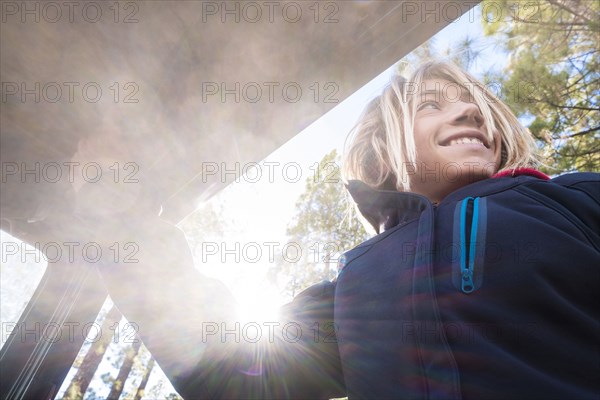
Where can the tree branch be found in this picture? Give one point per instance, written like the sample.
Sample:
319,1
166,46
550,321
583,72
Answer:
597,128
565,107
569,10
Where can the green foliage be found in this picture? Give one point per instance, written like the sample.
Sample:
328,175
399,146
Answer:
73,392
552,78
322,229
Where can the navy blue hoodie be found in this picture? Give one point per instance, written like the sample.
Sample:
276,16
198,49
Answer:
492,294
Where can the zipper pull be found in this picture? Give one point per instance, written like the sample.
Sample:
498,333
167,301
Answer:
467,285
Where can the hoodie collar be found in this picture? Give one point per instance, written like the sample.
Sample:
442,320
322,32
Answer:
384,209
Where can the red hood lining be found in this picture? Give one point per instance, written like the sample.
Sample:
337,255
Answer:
522,171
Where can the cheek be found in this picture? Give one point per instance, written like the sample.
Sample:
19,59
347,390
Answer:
420,144
424,153
422,140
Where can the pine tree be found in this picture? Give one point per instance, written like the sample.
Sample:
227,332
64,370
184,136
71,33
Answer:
119,383
553,75
322,230
139,393
81,381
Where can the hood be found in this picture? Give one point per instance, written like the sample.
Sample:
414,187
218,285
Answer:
384,209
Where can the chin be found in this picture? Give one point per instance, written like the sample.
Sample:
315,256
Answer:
477,168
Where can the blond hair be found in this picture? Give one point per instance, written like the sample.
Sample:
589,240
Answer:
379,147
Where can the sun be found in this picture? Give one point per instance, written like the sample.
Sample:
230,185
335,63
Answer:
258,306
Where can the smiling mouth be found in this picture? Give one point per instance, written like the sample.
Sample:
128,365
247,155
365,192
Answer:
467,139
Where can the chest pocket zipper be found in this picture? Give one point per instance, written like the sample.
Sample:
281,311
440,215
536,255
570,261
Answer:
470,225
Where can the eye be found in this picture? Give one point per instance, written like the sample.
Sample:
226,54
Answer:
433,105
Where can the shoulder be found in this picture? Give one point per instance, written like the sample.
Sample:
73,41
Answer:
570,201
577,177
586,182
581,189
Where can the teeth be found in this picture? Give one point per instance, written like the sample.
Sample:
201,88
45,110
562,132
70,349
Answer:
465,140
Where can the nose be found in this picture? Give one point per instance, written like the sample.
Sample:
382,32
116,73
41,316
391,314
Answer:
465,112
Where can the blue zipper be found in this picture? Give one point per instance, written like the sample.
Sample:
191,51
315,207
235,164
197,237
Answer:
467,264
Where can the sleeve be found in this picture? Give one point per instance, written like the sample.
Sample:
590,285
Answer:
295,357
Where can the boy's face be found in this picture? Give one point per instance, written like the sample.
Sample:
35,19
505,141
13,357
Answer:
451,140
